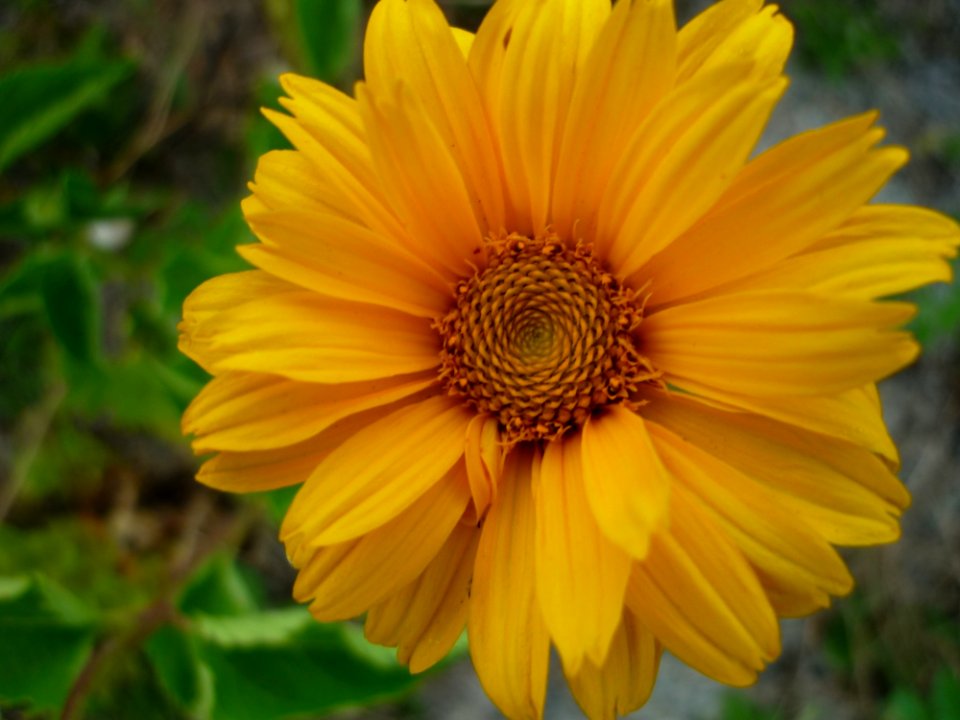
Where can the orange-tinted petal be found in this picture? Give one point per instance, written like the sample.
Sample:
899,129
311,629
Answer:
378,472
425,618
735,30
249,411
258,470
854,415
774,208
680,161
328,132
701,599
842,491
581,575
628,71
880,250
778,542
344,580
484,458
624,680
778,343
509,643
409,41
425,186
339,258
626,485
231,323
526,58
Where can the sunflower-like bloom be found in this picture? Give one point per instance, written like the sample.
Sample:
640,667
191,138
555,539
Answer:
552,357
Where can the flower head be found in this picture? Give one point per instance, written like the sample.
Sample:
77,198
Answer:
553,357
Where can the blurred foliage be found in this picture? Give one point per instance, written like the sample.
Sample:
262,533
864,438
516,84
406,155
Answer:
113,601
839,37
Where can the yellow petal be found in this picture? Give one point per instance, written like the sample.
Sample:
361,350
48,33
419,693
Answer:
581,575
778,343
484,457
624,681
628,71
842,491
409,41
627,486
378,472
509,643
774,540
344,580
526,58
854,415
701,599
281,467
775,208
680,161
250,411
339,258
425,186
213,297
878,251
464,40
425,618
327,131
280,329
287,179
735,30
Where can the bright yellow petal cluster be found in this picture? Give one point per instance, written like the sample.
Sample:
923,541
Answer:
553,357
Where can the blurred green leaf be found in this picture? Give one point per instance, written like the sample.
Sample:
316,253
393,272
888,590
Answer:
904,704
218,588
945,695
267,627
737,706
47,634
69,464
72,301
41,100
321,35
939,311
186,679
314,671
328,33
82,556
133,393
837,37
21,360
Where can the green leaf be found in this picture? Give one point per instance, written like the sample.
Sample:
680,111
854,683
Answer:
184,677
329,30
945,695
72,302
135,393
939,312
47,635
219,588
312,670
737,706
905,704
40,101
320,35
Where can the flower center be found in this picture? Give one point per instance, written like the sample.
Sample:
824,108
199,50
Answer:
542,338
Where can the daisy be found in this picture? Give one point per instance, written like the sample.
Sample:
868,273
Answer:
553,357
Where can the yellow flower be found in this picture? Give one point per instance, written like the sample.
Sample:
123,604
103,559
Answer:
553,357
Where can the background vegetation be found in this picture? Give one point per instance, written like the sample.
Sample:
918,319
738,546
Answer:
128,129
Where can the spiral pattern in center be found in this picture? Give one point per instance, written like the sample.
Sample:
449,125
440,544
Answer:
541,338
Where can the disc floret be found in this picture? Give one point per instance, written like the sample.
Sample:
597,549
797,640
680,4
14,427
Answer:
541,338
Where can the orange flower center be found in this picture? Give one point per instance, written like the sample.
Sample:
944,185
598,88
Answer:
542,338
